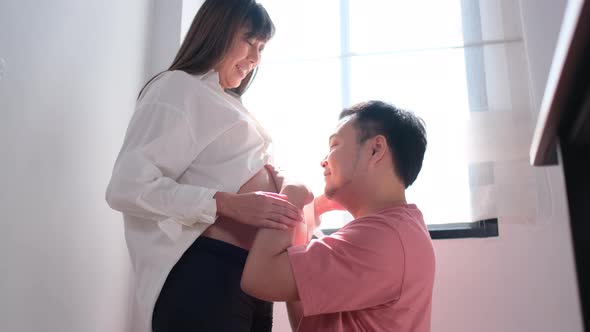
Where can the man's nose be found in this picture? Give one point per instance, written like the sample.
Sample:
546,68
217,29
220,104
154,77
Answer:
324,162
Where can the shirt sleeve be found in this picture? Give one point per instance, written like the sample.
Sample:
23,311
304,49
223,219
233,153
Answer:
358,267
159,146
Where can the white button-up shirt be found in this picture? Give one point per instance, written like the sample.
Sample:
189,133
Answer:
187,140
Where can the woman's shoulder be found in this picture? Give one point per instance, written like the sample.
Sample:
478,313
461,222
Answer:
175,87
180,78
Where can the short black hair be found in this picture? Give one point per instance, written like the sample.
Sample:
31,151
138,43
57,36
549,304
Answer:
404,131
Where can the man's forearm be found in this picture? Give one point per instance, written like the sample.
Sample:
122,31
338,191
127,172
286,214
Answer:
270,243
267,274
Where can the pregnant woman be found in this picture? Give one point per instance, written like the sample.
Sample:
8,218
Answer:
191,180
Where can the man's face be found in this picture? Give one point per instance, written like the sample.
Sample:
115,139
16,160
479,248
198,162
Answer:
344,164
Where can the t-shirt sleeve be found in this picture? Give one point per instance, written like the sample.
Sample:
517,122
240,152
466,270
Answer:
358,267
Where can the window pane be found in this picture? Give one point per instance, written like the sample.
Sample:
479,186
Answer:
304,29
391,25
298,103
409,53
432,84
499,19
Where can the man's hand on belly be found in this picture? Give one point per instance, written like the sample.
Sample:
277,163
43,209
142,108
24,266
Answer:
299,195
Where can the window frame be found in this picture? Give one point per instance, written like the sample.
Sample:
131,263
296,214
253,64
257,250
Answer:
459,230
477,229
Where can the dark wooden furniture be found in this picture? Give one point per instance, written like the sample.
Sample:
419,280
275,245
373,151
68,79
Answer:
562,134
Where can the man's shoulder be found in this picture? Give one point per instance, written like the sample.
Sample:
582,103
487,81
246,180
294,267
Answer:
395,214
407,215
402,211
401,222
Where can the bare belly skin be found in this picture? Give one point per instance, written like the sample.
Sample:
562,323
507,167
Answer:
233,232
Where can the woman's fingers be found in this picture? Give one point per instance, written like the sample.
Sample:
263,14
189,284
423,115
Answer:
268,210
281,205
273,225
289,211
282,219
277,196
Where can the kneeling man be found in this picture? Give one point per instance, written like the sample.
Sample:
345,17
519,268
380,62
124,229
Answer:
377,272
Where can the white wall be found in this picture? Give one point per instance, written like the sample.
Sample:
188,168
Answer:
73,70
524,280
164,38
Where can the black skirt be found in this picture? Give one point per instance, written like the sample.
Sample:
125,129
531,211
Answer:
202,293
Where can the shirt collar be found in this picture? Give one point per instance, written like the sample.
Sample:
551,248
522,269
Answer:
212,74
211,78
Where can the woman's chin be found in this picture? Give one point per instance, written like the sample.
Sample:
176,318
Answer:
235,84
230,83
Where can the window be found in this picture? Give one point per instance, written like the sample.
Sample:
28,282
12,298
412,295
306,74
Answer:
459,64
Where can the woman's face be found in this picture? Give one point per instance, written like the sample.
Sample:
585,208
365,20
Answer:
241,58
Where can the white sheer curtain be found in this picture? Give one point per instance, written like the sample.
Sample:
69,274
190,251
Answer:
460,65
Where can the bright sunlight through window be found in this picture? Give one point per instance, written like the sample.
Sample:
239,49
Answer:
330,54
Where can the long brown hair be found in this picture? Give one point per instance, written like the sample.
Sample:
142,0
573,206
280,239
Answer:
211,33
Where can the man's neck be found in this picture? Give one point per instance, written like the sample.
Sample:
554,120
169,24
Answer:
371,203
371,194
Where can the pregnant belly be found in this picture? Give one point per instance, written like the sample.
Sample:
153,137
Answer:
233,232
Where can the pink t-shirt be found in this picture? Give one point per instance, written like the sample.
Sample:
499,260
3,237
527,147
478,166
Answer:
374,274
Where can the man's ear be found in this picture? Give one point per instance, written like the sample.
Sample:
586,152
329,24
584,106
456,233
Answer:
378,147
